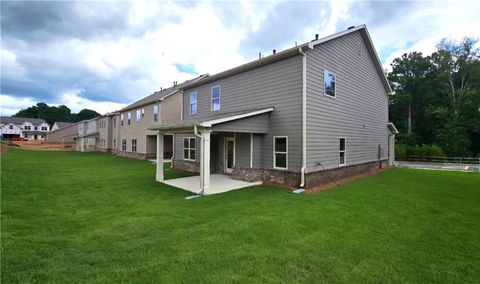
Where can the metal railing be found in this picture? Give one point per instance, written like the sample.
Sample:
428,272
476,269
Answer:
452,160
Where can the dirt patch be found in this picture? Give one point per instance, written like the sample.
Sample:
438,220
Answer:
40,145
330,185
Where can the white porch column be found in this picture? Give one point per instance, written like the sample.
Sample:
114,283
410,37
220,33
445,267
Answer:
205,161
159,174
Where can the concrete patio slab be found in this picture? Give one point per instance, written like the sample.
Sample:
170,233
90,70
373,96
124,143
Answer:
218,183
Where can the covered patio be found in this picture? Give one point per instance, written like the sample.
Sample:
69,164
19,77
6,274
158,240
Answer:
218,183
248,122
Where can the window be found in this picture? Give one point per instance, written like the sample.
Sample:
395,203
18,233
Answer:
124,145
215,98
36,128
193,103
139,115
121,119
329,84
27,127
189,148
129,117
44,128
155,113
143,112
114,143
11,126
134,145
280,152
114,122
342,161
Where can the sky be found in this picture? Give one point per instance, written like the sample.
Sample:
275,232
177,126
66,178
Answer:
104,55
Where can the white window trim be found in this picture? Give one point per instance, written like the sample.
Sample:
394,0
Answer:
219,98
274,152
188,159
190,102
138,115
344,152
335,91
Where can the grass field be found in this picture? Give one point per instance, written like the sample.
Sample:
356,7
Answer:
74,217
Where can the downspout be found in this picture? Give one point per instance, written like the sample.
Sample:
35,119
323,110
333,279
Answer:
304,118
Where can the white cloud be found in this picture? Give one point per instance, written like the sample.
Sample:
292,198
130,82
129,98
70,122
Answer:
10,67
73,100
10,105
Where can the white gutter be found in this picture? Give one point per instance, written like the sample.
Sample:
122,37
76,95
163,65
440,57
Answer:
304,118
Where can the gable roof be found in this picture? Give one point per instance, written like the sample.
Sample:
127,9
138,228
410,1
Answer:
62,124
21,120
162,94
296,51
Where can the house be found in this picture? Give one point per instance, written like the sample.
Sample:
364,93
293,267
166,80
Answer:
64,133
87,135
107,133
59,125
304,117
131,136
23,127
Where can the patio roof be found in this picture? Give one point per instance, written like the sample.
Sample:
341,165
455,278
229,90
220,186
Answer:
214,120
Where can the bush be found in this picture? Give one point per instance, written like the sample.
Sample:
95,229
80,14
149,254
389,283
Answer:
427,151
401,151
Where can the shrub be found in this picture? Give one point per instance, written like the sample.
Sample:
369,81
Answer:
427,151
401,151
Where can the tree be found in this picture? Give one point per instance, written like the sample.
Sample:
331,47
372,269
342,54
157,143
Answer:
53,113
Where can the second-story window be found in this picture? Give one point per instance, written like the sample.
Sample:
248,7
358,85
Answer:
11,126
139,115
329,84
155,113
215,98
143,112
44,128
121,119
129,118
193,103
114,122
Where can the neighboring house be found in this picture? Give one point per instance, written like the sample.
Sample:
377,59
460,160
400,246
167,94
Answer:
107,140
131,136
303,117
59,125
23,127
63,135
87,135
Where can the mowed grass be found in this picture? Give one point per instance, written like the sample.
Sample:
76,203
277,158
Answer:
70,217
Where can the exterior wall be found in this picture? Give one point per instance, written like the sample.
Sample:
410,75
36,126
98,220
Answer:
20,129
178,161
105,133
138,129
64,135
116,133
359,112
171,109
278,84
254,124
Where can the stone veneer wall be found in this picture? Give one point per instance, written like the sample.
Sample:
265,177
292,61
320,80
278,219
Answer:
187,166
313,179
134,155
319,178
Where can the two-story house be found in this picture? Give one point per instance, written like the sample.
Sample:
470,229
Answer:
86,140
23,127
131,136
303,117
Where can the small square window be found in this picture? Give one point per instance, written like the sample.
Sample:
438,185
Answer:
329,84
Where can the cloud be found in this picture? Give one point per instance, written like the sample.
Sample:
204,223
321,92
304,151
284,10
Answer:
116,52
73,99
9,105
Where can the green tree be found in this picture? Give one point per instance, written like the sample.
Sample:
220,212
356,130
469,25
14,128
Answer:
52,113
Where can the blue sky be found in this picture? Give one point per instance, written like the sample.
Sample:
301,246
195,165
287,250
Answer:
105,55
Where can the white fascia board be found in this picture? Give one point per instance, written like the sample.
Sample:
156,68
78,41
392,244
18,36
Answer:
210,123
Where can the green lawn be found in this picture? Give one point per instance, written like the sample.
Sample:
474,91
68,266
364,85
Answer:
74,217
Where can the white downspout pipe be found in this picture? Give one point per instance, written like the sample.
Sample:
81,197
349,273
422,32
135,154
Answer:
304,118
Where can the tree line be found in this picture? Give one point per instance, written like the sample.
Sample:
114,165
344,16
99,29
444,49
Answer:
52,114
436,100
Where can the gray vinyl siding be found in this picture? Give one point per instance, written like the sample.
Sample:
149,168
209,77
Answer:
242,150
254,124
257,151
278,84
359,112
179,145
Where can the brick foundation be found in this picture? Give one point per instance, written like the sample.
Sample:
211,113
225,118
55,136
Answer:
331,176
134,155
187,166
280,177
